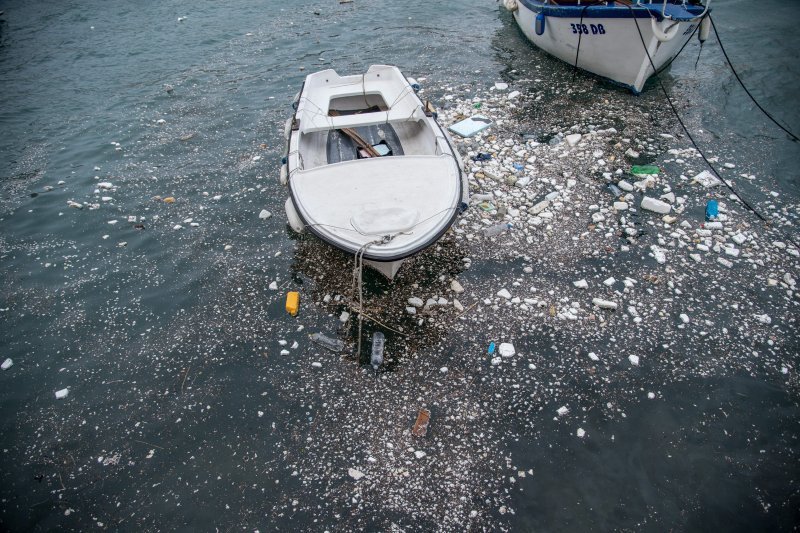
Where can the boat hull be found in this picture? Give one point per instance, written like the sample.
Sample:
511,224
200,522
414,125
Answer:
382,208
610,46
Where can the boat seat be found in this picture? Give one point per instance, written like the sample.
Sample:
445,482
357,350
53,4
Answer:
340,147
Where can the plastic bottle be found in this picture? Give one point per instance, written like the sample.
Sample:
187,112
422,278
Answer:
614,190
638,170
334,345
497,229
378,341
712,210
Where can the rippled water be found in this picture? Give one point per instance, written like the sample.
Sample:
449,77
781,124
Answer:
167,341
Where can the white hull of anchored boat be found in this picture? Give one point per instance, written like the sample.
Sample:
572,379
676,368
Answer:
383,207
609,47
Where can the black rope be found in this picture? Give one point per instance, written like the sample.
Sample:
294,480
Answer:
694,143
666,65
580,35
736,74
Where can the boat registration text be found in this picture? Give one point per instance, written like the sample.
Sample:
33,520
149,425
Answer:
595,29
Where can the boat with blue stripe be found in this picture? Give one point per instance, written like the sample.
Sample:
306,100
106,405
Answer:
626,41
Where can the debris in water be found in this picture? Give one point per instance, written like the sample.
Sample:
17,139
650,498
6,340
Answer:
334,345
420,428
292,302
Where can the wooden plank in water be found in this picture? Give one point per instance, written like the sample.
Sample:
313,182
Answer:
420,428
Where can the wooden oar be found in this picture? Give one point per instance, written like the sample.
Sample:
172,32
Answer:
356,138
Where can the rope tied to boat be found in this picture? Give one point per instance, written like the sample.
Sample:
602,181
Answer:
724,181
358,283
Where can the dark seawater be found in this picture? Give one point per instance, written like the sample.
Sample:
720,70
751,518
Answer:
181,413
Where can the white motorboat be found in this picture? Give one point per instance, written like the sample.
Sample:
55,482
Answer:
368,167
626,41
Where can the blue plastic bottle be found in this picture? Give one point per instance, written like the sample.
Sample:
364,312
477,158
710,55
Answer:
712,210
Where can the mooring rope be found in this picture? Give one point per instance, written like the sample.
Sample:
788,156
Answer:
694,143
358,282
736,74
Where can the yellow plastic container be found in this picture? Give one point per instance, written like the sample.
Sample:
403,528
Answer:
292,302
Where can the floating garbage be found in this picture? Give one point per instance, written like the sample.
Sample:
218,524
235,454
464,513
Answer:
61,394
657,206
8,363
614,190
604,304
497,229
292,302
645,170
334,345
712,210
506,349
169,200
420,428
491,348
482,156
706,179
470,126
378,342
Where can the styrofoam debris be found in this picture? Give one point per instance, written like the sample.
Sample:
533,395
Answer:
657,206
604,304
506,349
764,319
706,179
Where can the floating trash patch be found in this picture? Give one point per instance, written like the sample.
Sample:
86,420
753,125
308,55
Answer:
178,360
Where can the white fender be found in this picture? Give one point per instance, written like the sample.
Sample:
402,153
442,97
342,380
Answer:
287,128
705,29
284,175
294,219
664,36
511,5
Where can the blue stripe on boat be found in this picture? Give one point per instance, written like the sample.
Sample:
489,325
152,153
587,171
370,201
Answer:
677,12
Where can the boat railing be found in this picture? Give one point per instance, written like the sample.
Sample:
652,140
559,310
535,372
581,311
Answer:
701,15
